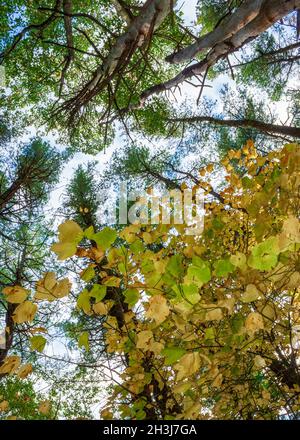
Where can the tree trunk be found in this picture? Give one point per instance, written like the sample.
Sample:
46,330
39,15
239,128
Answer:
284,130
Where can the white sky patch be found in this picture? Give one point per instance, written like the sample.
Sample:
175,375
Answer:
188,7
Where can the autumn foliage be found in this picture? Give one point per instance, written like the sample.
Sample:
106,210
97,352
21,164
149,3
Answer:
205,326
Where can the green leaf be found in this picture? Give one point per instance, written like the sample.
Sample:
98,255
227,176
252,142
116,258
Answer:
37,343
83,301
105,238
131,296
223,268
210,333
89,232
83,341
140,415
265,255
187,292
98,292
88,274
247,182
217,223
237,323
174,266
172,354
137,246
199,270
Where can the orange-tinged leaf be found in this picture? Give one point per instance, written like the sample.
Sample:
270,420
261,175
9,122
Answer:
10,365
49,288
15,294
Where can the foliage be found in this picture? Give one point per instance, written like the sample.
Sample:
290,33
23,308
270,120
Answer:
211,329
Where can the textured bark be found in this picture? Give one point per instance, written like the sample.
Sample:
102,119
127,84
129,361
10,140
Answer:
67,6
284,130
229,26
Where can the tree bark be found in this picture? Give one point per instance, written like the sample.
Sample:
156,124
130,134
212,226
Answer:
138,33
271,12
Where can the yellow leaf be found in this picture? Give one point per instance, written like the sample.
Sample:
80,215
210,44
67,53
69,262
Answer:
38,330
182,387
112,281
48,288
294,280
217,382
158,309
83,341
143,339
24,371
156,347
24,312
70,234
147,237
10,365
238,260
64,250
254,322
227,303
100,308
214,315
251,294
268,311
290,233
15,294
259,362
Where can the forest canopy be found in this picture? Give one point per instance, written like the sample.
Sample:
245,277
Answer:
183,121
